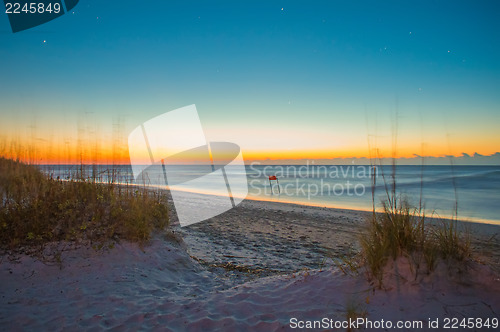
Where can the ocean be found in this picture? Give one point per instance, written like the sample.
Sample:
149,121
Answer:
474,191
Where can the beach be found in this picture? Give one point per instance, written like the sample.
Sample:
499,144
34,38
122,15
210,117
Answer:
250,166
253,268
275,236
290,237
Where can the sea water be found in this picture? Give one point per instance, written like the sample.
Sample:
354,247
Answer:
472,191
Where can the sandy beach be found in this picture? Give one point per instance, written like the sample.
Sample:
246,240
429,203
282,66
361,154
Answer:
290,237
256,267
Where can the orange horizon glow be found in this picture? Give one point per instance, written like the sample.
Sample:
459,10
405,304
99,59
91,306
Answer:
107,156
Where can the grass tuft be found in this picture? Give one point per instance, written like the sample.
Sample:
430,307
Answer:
402,230
353,311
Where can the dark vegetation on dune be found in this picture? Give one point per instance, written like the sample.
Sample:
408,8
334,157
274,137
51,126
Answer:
404,230
36,209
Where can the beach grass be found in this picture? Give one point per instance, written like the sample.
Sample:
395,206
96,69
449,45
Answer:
403,230
354,311
36,209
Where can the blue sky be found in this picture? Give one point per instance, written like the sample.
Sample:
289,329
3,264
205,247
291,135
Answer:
309,76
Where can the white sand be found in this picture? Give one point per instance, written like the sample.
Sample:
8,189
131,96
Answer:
163,288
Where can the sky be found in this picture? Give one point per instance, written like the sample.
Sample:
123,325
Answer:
283,79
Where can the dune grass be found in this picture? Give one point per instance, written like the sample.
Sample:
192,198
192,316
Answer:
354,311
404,230
36,209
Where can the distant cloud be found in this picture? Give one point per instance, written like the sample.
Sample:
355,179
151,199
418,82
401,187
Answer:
464,159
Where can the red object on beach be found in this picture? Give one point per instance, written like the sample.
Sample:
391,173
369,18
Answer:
273,177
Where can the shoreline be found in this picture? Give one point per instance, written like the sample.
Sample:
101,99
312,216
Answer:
482,225
472,220
488,218
167,189
347,208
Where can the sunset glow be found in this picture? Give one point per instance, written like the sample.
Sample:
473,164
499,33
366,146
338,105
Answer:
305,82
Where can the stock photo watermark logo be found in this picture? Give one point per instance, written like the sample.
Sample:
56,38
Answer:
205,178
26,14
311,181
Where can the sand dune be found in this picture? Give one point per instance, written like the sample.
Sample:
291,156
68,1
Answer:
163,288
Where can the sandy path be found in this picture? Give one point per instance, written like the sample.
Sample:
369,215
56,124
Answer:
274,236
